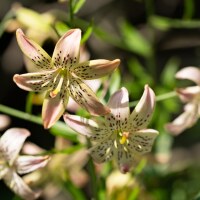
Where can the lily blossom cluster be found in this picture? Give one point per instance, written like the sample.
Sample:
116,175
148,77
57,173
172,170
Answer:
62,75
12,164
189,95
120,134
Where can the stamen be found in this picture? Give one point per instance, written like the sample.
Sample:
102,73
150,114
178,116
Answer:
58,88
124,137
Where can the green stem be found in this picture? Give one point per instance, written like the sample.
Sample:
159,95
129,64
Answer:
93,177
71,14
161,97
20,114
29,104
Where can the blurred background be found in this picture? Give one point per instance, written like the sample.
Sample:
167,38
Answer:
153,39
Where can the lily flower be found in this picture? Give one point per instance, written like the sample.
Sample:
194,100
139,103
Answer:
12,164
119,135
62,76
189,95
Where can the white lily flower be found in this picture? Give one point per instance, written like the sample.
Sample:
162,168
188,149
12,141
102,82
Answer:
120,135
189,95
12,164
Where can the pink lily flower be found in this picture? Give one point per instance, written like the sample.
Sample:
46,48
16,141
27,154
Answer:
62,76
189,95
12,164
120,135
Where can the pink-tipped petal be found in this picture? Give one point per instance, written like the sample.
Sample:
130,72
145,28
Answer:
94,69
52,110
11,143
143,112
119,105
19,187
67,49
190,73
186,120
86,98
37,81
26,164
189,93
33,51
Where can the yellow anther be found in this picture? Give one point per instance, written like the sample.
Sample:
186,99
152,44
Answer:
123,139
58,88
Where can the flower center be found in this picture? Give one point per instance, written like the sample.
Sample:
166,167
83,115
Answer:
62,74
123,136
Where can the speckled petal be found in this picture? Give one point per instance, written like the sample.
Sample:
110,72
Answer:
11,143
67,49
53,108
26,164
19,187
124,159
94,69
142,113
118,103
37,81
103,151
33,51
87,127
86,98
141,141
190,73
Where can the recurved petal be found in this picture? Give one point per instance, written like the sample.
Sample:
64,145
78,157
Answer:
189,93
86,98
26,164
66,52
33,51
37,81
119,105
141,141
19,187
52,109
103,151
190,73
143,112
186,120
87,127
11,143
94,69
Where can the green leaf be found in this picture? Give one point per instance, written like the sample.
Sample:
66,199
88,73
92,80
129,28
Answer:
134,41
114,81
77,5
61,28
87,33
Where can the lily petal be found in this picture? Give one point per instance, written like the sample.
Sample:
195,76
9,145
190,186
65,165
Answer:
103,151
11,143
26,164
141,141
189,93
190,73
142,114
86,98
53,108
67,49
124,159
3,170
87,127
94,69
119,106
33,51
186,120
37,81
19,187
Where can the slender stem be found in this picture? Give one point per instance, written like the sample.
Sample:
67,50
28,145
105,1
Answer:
161,97
71,14
94,182
20,114
29,104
